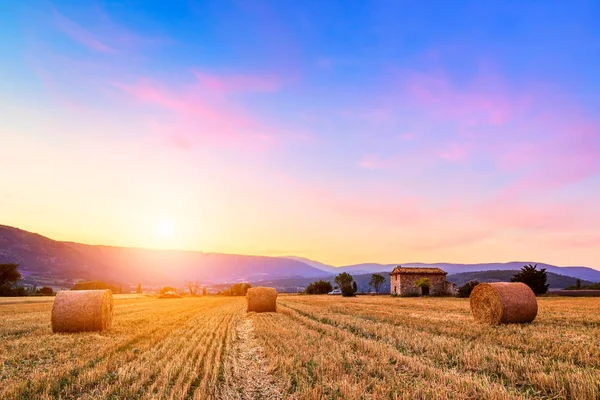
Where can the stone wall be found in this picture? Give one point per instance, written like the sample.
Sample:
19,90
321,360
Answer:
404,284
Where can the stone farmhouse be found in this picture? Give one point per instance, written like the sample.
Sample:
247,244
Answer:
403,280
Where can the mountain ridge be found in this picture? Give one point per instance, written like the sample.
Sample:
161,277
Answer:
40,256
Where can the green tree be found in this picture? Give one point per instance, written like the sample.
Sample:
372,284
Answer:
9,275
138,289
354,287
578,284
46,291
376,281
319,287
466,289
204,291
344,281
534,278
424,284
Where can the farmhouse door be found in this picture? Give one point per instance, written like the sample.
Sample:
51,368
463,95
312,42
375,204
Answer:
424,290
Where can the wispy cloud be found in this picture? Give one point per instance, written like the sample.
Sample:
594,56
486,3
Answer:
540,137
204,112
79,34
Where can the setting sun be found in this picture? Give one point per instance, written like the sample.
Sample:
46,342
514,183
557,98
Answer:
164,228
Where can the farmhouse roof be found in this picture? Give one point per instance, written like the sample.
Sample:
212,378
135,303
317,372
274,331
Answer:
408,270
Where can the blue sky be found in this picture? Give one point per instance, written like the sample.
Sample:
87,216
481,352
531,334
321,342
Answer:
456,131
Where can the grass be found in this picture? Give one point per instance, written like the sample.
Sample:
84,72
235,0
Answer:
315,347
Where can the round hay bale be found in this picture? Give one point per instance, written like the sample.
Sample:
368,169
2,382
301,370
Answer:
261,299
503,303
82,310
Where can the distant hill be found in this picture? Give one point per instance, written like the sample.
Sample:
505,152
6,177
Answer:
555,281
575,272
315,264
170,265
369,268
54,263
37,254
44,259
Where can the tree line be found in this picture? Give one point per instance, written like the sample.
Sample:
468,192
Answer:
10,276
529,275
346,283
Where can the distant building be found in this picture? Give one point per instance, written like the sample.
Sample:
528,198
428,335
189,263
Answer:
403,280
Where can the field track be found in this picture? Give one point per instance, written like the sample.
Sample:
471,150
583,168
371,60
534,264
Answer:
315,347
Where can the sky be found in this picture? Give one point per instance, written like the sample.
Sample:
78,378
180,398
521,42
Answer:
341,131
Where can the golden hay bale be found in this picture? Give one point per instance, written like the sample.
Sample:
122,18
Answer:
82,310
503,303
262,299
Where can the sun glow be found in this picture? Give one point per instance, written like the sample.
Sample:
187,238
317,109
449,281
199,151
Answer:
164,228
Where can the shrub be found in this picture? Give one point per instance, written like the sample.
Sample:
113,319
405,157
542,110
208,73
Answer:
45,291
239,289
10,291
168,289
96,285
319,287
466,289
593,286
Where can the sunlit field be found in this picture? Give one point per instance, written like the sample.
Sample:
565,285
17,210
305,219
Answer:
315,347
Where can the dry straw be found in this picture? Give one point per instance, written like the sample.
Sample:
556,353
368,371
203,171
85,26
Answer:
262,299
503,303
82,310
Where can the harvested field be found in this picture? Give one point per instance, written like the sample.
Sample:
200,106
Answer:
314,347
575,293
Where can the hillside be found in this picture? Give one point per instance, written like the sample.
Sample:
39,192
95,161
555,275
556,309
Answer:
452,268
174,265
43,260
555,281
39,255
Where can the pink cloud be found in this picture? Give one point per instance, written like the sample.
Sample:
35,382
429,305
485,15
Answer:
457,238
533,213
237,83
407,136
539,138
376,203
455,152
578,241
565,150
374,162
484,100
203,112
394,212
